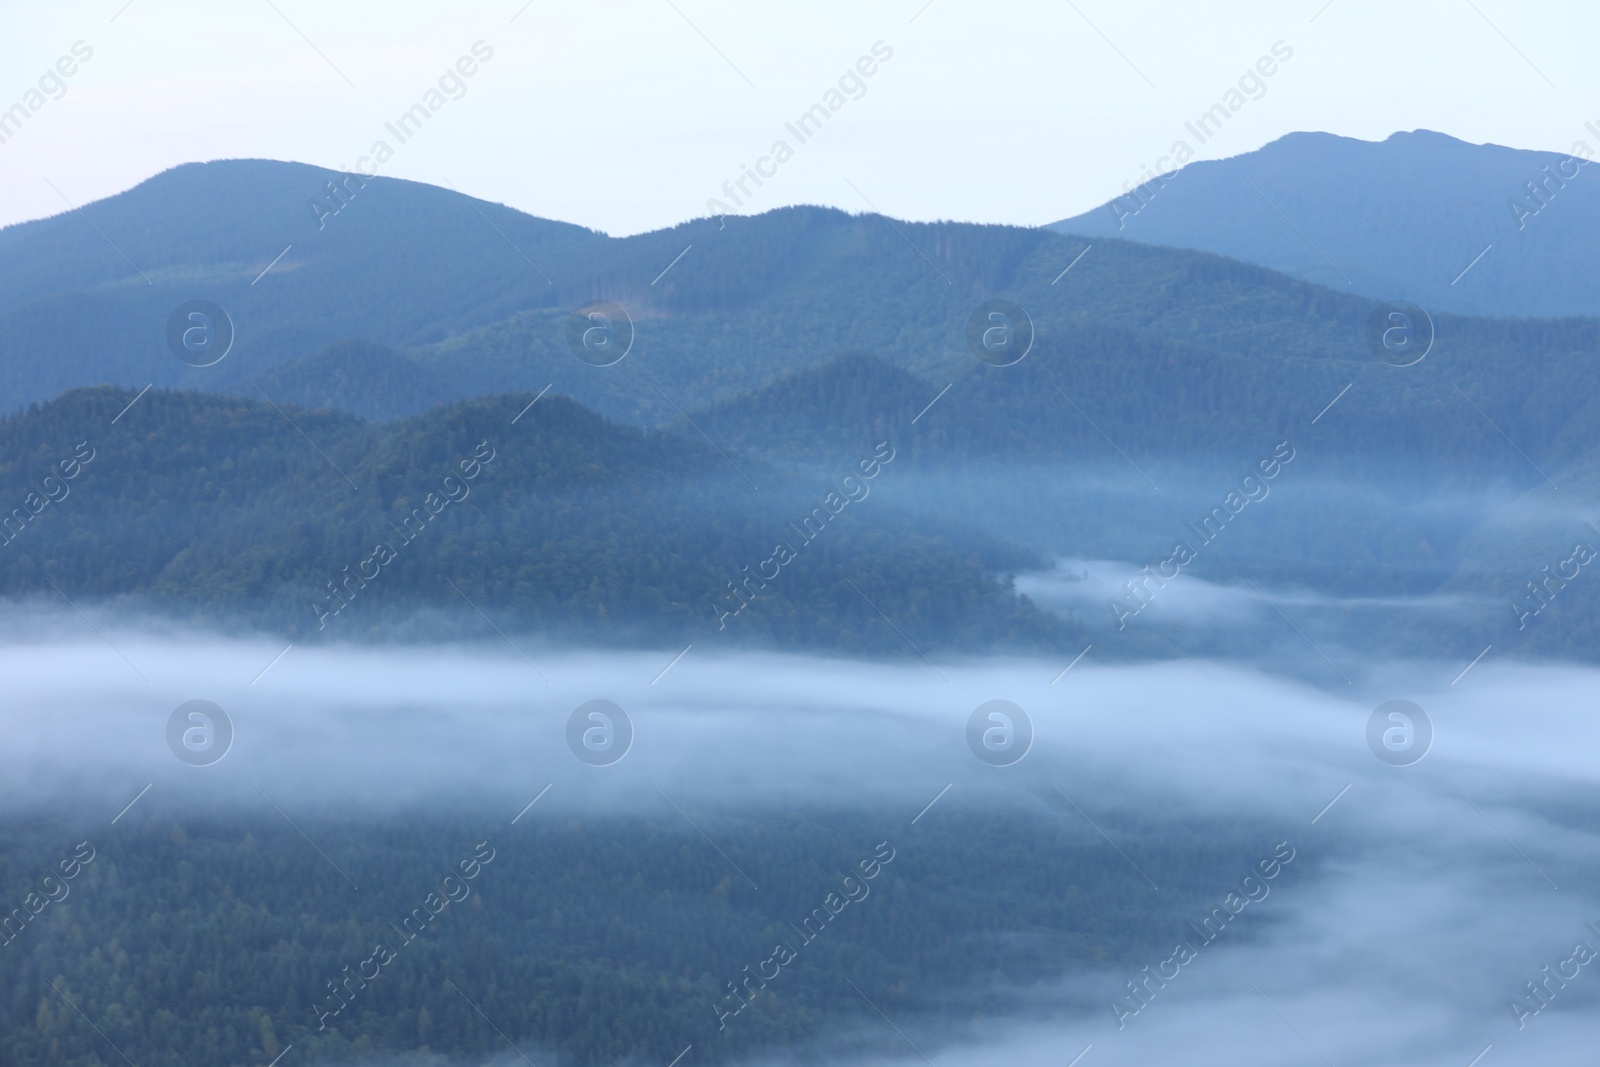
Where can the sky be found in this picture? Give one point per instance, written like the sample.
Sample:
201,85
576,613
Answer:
630,115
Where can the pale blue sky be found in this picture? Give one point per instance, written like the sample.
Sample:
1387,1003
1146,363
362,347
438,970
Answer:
627,115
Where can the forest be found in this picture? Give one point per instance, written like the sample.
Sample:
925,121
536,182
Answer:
584,939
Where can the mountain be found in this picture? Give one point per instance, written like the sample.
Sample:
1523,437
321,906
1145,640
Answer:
88,293
535,510
718,308
478,291
762,360
1416,482
1404,218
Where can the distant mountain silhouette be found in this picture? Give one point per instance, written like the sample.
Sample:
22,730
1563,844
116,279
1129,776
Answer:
475,298
1400,218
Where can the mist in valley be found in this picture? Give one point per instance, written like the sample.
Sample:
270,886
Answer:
1423,898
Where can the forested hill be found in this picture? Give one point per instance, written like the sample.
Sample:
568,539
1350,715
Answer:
539,513
1454,478
1443,422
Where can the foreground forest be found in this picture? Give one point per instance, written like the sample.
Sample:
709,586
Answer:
585,939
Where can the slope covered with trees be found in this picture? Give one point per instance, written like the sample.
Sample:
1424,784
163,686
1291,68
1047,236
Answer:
585,941
542,513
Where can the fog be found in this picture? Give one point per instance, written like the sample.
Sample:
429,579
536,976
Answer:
1087,584
1435,890
1406,957
1107,510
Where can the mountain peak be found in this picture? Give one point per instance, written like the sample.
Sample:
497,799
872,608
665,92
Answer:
1403,217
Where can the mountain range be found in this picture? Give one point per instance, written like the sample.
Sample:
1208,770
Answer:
762,360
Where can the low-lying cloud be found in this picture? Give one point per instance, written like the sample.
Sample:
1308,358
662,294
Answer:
1435,896
1091,585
